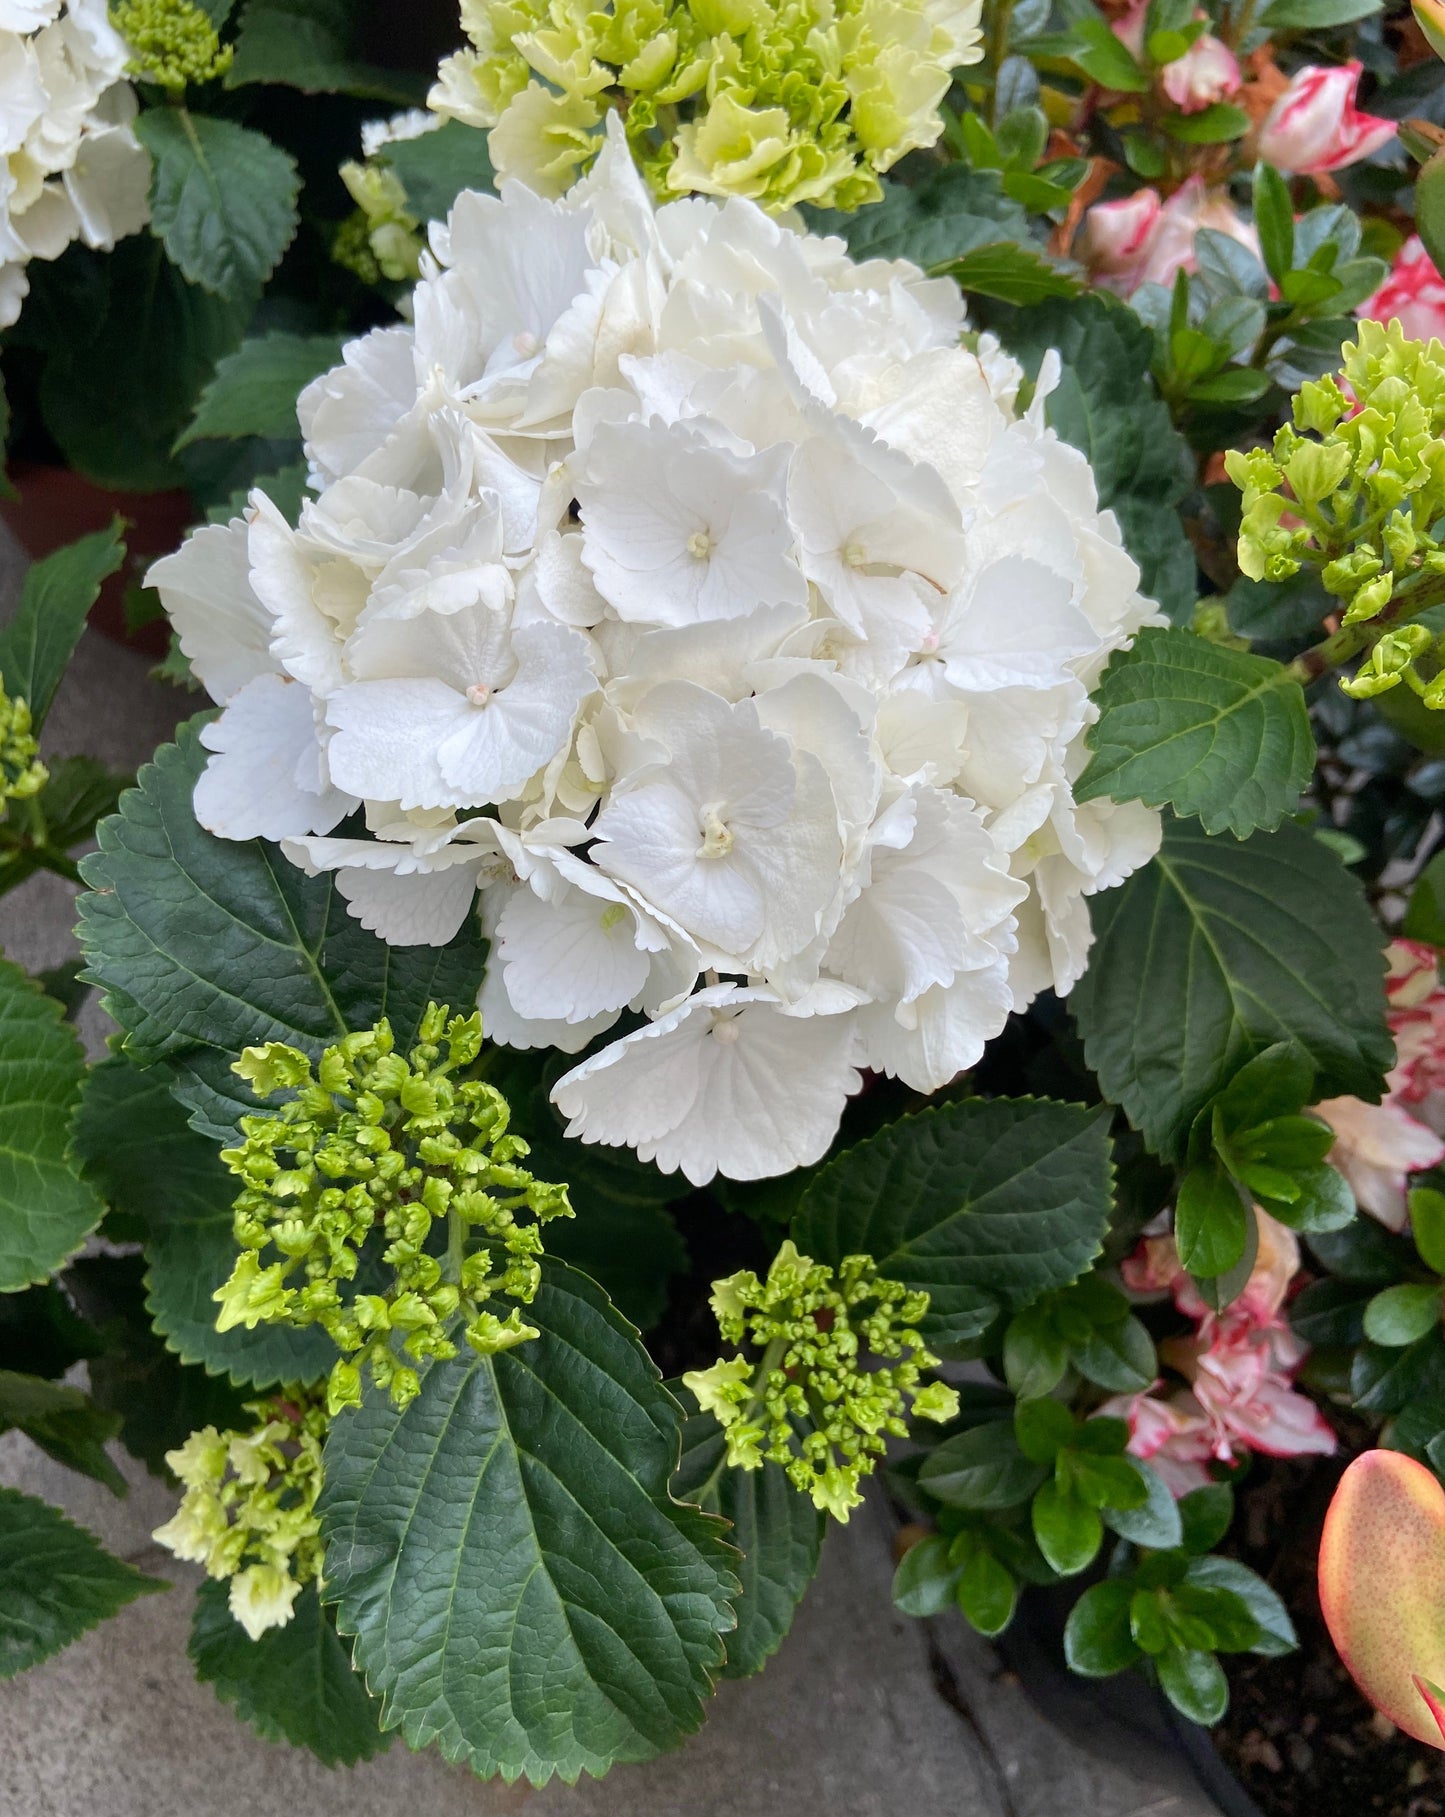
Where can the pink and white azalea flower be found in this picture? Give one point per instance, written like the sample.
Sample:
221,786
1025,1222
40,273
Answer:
1206,74
1143,240
1378,1146
1413,294
1315,126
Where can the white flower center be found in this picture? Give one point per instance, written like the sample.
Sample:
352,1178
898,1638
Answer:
929,644
699,545
526,344
717,836
725,1029
479,693
854,555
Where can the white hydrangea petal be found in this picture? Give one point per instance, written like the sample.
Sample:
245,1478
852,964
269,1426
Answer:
223,628
725,1081
570,959
386,737
395,893
264,780
944,1033
503,1024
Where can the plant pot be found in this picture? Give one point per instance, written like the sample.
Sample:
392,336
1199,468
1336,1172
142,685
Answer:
1124,1720
55,506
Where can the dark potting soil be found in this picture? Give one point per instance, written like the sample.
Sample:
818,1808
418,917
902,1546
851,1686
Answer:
1298,1735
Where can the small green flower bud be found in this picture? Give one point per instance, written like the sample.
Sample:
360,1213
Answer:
173,42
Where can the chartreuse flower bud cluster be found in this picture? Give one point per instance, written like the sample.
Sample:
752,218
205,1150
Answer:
1364,468
249,1508
173,42
383,238
840,1361
782,101
22,774
402,1147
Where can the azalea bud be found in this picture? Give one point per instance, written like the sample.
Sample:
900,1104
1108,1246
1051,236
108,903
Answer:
1207,73
1117,235
1315,125
1413,294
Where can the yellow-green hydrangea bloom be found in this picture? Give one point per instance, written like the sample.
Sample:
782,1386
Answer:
782,101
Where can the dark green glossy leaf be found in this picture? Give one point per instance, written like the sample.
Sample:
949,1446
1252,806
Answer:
55,599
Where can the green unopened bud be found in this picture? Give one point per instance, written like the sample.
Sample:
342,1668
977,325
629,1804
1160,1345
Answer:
839,1361
367,1150
173,42
1371,600
21,772
1315,470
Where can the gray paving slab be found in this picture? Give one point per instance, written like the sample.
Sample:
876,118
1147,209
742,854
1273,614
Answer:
862,1713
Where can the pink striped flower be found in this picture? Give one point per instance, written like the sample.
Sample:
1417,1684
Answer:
1315,125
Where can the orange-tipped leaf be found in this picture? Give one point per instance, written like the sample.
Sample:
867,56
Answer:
1382,1587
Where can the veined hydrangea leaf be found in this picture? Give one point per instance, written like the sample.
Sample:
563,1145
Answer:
46,1209
521,1587
777,1530
1217,950
204,946
56,1580
294,1684
223,199
1211,732
136,1147
255,389
985,1204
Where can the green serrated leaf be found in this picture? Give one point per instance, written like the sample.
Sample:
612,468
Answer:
933,223
520,1585
306,44
157,1399
46,1209
55,600
63,1422
777,1530
982,1204
223,199
1209,731
1011,273
1217,950
79,793
435,168
135,1145
56,1580
127,357
293,1684
205,946
255,389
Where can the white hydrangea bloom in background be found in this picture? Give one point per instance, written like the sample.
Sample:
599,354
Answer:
71,168
695,595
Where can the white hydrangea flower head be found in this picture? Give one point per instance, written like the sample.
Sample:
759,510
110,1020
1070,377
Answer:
71,167
697,597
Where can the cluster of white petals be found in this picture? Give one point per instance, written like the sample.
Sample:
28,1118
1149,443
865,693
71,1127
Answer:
692,592
71,167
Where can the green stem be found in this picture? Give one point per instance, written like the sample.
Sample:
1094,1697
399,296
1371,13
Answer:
1350,640
456,1246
